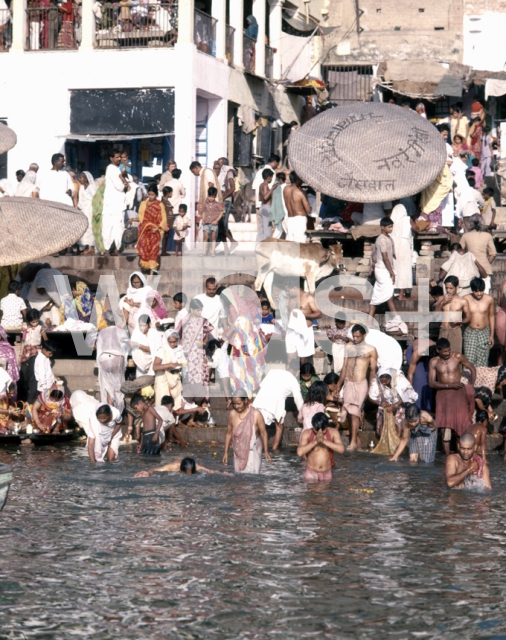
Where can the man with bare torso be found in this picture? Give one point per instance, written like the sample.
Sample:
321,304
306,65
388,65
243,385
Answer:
302,310
298,208
479,335
359,357
455,313
247,435
466,469
454,400
317,445
480,431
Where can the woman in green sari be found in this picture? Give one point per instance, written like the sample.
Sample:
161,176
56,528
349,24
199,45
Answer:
96,219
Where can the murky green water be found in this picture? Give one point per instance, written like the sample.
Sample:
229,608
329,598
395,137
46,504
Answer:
92,552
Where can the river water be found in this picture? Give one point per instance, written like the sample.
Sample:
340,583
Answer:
93,552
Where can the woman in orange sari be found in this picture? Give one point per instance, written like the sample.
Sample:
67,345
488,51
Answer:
478,116
152,225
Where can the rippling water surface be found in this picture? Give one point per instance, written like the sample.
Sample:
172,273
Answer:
93,552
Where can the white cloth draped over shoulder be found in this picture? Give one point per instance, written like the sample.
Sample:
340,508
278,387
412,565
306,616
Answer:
399,389
85,204
114,206
403,240
168,383
112,355
138,296
45,280
27,186
144,360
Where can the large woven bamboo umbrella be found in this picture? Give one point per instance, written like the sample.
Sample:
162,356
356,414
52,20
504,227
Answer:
32,228
368,152
8,138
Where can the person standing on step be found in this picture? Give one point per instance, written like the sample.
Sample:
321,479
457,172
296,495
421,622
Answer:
455,313
383,259
479,335
227,177
114,204
264,213
298,208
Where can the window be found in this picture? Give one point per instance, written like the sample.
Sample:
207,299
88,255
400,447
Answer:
439,28
348,83
421,10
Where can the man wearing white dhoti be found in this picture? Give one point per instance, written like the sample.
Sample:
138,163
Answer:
383,258
246,432
298,209
275,388
114,204
299,339
102,424
56,185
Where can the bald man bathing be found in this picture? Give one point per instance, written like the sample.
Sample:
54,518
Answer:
466,469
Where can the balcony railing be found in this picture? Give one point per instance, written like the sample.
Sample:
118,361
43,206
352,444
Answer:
5,29
205,32
269,61
229,45
50,28
134,24
248,54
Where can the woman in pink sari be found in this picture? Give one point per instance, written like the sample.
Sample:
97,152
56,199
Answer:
195,332
478,116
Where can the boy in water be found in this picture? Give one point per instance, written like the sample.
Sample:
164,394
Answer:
188,466
318,445
153,435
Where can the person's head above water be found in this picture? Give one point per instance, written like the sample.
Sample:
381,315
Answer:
320,421
104,413
467,446
188,466
239,400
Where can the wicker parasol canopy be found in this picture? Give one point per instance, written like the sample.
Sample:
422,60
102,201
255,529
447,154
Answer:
33,228
368,152
8,138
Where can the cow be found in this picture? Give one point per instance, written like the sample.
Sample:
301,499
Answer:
286,258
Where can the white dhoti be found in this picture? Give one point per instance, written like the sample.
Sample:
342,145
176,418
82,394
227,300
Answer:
84,409
112,227
296,228
88,239
448,213
383,287
338,354
299,337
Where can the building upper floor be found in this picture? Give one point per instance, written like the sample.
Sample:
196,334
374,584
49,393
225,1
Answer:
244,34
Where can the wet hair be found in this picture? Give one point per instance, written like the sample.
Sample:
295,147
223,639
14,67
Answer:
331,378
152,188
267,173
167,400
485,395
32,314
210,281
455,246
180,297
317,393
136,399
475,162
184,207
412,412
471,182
103,410
145,319
54,159
56,394
489,192
307,367
452,280
443,343
14,286
273,158
166,191
194,165
212,192
477,284
196,304
211,347
467,437
293,177
188,464
176,173
320,421
49,346
386,222
481,415
359,328
437,291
